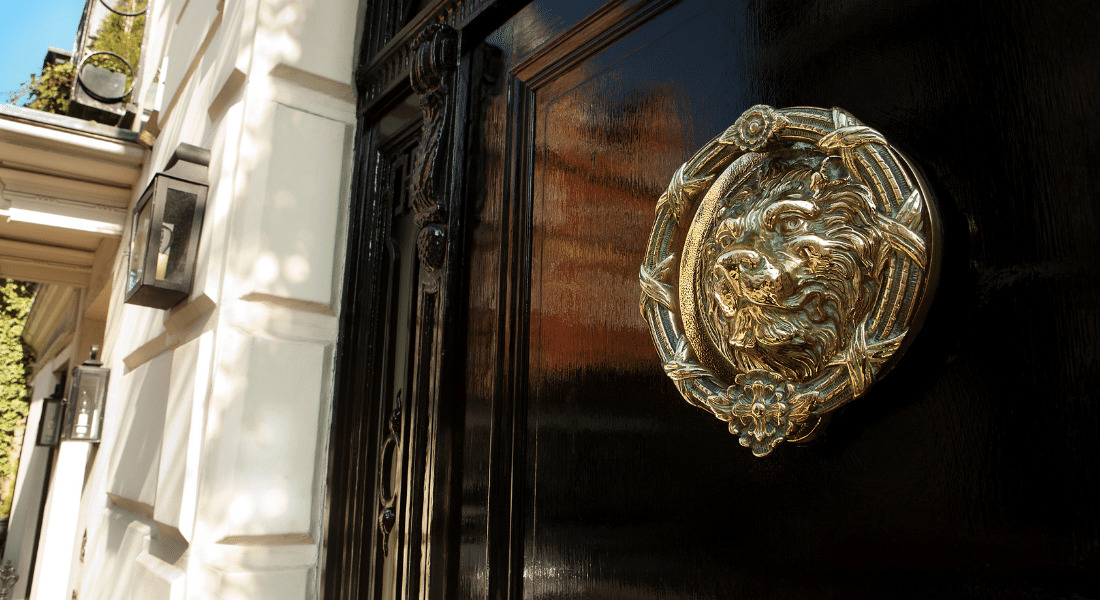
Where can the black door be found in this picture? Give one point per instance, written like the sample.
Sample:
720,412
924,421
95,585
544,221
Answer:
560,462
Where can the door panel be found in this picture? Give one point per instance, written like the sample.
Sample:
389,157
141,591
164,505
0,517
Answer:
967,472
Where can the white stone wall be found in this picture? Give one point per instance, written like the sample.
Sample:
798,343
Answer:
34,465
209,482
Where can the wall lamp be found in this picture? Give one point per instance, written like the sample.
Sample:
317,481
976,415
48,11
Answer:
165,228
49,423
87,394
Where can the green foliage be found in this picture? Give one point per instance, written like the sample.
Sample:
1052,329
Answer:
122,36
15,363
48,92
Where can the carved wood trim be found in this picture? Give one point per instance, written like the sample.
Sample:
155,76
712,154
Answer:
432,76
392,63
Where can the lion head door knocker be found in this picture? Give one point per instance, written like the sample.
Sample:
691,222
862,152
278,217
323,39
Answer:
791,259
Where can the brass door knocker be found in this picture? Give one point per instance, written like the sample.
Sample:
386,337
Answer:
791,260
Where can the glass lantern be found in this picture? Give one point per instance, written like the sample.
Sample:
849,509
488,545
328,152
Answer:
87,395
164,232
49,423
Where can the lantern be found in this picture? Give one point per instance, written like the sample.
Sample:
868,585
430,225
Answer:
165,229
49,423
87,394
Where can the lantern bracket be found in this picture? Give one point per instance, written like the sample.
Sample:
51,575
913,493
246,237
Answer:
189,163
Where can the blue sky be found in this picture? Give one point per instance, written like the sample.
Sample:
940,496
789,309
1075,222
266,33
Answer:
28,28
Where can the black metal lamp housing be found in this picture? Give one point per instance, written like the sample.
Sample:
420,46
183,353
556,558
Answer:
87,395
49,424
164,232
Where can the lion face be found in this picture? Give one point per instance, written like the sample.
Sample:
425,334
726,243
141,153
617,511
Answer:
792,269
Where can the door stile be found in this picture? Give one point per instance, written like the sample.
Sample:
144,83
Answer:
507,478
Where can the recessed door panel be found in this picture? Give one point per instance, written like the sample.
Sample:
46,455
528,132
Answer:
964,472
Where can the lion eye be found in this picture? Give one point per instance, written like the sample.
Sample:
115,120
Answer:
791,224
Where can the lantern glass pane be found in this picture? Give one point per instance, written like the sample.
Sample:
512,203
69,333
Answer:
175,232
139,242
87,404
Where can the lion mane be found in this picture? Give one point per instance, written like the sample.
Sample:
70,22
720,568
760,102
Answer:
793,267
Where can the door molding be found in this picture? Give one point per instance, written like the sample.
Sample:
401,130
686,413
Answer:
398,414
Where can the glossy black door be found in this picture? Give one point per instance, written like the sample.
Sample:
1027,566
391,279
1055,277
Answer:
967,472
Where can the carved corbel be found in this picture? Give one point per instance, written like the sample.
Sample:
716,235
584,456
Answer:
432,74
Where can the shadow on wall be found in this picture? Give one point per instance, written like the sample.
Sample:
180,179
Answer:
269,256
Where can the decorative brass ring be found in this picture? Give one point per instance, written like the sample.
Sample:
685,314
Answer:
791,261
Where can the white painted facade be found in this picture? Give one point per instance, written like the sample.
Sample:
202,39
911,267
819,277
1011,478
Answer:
210,478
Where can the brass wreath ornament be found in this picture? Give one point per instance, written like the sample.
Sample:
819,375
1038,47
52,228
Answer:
791,260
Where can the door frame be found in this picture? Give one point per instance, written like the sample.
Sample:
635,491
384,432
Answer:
427,54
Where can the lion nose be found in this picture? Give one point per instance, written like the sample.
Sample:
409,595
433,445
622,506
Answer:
741,258
760,280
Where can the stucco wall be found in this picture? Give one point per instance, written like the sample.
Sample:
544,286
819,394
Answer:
35,465
209,481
